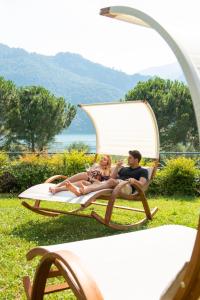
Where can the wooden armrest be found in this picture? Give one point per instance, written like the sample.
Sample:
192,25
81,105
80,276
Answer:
37,251
53,178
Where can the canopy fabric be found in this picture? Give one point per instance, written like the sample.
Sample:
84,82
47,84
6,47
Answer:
178,27
124,126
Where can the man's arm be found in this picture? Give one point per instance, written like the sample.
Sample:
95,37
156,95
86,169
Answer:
142,181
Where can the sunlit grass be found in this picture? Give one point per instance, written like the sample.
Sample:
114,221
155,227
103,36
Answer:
20,230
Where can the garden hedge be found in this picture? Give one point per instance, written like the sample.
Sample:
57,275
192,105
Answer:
179,176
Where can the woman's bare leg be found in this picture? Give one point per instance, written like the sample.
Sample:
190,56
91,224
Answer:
57,189
74,178
78,177
111,183
73,188
79,183
85,182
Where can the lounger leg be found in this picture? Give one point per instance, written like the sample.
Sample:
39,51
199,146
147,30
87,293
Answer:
109,209
37,204
40,280
108,215
146,207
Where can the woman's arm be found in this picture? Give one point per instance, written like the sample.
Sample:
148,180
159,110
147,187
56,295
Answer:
114,172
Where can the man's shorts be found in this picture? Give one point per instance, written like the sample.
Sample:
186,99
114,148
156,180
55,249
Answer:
127,189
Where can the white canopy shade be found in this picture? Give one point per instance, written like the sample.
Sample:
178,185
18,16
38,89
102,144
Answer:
178,27
124,126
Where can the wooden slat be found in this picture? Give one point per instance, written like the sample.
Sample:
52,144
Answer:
56,288
54,273
122,207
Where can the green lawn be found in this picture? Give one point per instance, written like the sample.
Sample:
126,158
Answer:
20,230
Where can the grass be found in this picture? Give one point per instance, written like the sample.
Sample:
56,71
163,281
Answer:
20,230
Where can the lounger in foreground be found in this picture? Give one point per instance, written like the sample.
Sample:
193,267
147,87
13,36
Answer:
139,265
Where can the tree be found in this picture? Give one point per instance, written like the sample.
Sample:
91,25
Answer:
8,94
39,116
79,146
172,105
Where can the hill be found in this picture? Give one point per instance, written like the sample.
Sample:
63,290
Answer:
171,71
69,75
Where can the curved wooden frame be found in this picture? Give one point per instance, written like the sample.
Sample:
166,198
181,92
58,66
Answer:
138,196
111,196
70,267
185,286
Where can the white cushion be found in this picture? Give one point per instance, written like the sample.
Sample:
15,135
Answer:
41,192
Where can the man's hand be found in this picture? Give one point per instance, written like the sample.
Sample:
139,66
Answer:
131,180
119,163
141,182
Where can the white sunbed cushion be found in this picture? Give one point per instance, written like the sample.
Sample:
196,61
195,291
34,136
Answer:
41,192
150,170
137,265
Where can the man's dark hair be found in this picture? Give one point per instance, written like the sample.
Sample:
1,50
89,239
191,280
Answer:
135,154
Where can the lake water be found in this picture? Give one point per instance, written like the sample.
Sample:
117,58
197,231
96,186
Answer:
62,141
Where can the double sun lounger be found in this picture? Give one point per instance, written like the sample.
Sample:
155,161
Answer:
118,139
41,192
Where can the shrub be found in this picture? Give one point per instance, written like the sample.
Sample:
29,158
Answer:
180,176
198,182
155,187
33,169
78,146
70,163
4,162
8,183
29,173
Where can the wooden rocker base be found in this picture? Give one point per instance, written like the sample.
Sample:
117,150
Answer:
49,212
55,213
120,226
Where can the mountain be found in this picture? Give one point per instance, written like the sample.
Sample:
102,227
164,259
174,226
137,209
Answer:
171,71
69,75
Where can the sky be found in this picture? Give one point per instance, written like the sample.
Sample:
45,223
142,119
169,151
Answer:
51,26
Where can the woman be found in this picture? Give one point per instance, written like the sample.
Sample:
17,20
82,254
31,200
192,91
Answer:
98,172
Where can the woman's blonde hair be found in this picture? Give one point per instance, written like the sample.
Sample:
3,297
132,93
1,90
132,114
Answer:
109,161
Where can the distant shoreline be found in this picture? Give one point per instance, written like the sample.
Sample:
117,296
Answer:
63,140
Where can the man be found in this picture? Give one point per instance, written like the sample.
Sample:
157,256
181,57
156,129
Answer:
134,174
